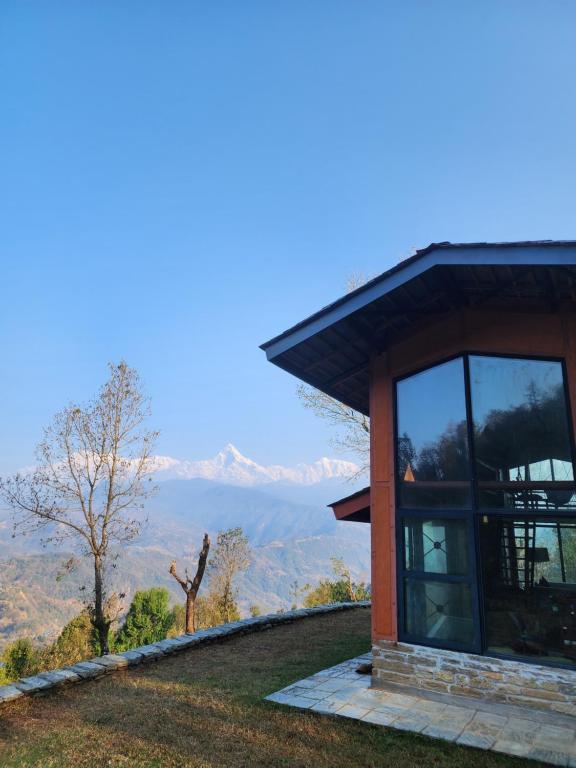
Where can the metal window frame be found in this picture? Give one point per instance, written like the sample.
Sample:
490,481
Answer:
471,515
469,578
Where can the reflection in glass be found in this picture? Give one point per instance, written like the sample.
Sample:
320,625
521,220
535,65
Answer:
436,546
532,499
529,568
521,429
439,611
432,448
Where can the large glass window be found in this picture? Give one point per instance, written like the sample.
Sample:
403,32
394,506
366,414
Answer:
529,568
432,448
521,433
514,485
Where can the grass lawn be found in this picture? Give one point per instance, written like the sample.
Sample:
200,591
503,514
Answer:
204,708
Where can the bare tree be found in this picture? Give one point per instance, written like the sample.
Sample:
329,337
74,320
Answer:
357,280
93,474
296,591
191,586
343,572
231,557
354,428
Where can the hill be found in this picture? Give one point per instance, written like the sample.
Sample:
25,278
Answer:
291,540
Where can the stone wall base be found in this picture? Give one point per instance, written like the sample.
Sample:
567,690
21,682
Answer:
473,676
112,662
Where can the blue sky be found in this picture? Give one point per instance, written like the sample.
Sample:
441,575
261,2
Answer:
182,180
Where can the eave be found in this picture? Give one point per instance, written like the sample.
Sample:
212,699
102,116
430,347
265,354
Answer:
331,350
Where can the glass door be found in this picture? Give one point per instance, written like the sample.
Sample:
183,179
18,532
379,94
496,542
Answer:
437,581
437,584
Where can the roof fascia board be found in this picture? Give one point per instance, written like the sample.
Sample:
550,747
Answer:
526,255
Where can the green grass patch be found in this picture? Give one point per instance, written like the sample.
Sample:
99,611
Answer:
204,708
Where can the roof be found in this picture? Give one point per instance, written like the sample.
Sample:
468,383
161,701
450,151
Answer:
331,349
355,507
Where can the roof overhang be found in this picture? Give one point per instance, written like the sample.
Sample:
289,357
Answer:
355,508
331,350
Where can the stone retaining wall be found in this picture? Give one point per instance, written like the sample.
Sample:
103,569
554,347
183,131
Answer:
478,677
102,665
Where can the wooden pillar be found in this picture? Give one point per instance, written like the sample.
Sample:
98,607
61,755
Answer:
382,502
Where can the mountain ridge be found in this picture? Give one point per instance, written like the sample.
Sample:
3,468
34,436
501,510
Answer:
231,467
282,510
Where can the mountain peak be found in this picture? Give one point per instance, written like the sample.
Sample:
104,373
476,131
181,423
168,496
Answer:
231,450
230,455
232,467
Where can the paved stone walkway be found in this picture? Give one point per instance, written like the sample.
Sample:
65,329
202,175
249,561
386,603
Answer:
527,733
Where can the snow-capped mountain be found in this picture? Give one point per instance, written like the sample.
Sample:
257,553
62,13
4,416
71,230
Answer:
230,466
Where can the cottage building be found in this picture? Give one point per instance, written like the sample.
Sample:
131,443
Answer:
464,357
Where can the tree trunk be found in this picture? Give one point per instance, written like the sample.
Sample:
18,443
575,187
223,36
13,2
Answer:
101,625
190,613
227,601
351,593
191,587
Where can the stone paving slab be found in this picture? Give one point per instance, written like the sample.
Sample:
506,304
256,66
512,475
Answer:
9,693
133,657
33,683
101,665
87,670
504,728
60,676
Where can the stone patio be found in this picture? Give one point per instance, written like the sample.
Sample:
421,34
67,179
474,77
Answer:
528,733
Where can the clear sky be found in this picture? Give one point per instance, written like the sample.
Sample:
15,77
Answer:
180,181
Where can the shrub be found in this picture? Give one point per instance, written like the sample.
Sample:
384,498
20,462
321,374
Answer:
148,620
21,659
77,641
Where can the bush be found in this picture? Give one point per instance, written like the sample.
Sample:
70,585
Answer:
148,620
21,659
77,641
178,626
341,589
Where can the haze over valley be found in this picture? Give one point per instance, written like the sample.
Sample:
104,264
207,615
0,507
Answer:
281,509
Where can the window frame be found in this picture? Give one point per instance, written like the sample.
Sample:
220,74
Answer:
470,578
471,515
540,660
471,477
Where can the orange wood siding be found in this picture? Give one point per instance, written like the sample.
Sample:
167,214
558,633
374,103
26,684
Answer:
501,331
353,507
383,519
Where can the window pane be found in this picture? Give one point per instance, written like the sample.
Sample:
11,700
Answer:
521,427
432,450
532,500
529,581
439,611
436,546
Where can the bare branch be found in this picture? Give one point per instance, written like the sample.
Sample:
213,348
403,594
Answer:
94,467
191,586
354,428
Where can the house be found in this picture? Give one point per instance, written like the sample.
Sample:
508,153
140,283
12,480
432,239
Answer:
464,357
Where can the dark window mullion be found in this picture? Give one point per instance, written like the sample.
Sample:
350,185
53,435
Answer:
470,425
474,546
443,577
435,513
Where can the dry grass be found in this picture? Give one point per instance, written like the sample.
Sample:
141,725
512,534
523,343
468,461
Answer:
204,708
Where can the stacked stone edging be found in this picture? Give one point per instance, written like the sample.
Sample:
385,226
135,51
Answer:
474,676
102,665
